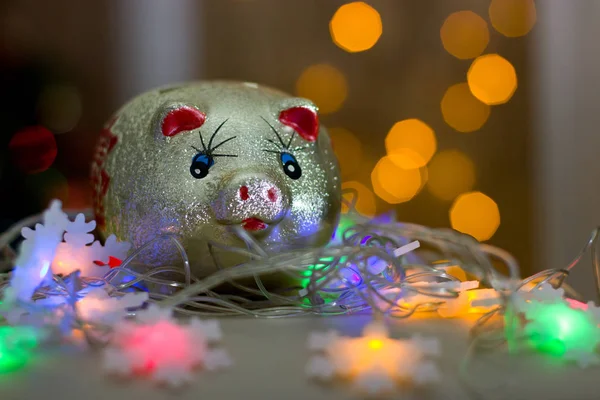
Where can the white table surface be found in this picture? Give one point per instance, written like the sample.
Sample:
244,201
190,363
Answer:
270,358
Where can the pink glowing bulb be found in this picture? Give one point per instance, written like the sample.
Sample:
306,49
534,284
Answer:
163,344
577,305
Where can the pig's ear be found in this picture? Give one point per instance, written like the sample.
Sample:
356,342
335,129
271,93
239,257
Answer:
304,119
181,118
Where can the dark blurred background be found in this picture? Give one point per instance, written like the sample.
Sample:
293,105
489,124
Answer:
475,114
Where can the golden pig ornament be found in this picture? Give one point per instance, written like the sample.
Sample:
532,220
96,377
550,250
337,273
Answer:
197,159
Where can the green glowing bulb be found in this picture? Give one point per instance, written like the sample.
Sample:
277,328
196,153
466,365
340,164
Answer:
12,360
15,346
345,223
558,328
323,263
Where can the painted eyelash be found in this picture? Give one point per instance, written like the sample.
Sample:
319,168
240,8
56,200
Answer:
276,134
208,150
281,146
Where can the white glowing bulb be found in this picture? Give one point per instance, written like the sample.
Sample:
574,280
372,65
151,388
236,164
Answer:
407,248
99,306
45,269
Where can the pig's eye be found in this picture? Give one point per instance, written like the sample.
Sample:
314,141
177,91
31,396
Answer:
290,165
201,163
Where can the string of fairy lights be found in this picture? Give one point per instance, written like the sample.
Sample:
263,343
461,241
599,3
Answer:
370,265
412,161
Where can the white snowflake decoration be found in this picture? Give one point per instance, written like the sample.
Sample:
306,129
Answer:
159,346
98,306
470,301
78,231
43,250
374,362
80,252
36,254
484,300
524,301
556,326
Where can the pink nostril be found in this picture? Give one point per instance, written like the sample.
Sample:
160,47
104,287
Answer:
244,193
272,195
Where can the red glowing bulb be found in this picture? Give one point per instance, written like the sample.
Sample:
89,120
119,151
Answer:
33,149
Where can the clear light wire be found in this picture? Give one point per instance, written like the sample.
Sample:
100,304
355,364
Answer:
358,273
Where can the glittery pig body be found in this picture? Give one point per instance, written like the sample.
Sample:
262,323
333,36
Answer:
199,159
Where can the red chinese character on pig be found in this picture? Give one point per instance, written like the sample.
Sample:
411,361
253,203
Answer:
99,176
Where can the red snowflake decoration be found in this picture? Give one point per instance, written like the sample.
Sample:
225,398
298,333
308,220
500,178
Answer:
100,178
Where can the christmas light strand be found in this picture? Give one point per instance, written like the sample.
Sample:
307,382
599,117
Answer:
358,272
369,265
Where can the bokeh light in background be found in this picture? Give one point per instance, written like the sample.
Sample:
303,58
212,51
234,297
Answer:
410,144
394,184
492,79
463,111
451,173
325,85
407,158
465,34
475,214
348,150
59,108
33,149
356,72
513,18
365,202
355,27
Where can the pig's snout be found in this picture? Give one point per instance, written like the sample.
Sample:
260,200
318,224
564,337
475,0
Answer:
273,193
255,201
